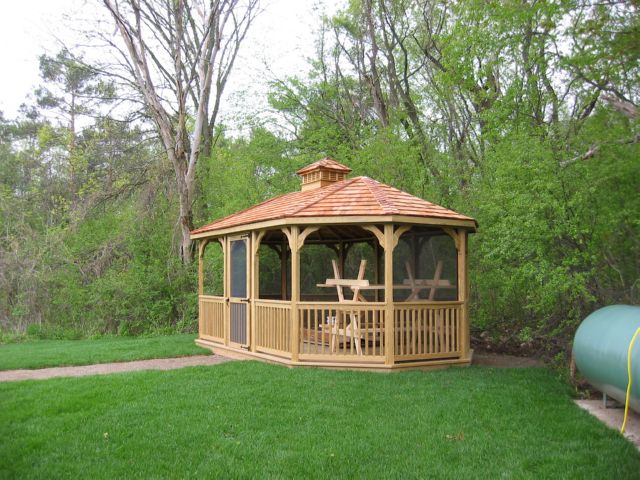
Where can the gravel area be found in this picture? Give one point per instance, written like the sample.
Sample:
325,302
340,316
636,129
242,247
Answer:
107,368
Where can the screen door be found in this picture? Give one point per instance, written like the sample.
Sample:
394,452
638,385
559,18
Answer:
239,301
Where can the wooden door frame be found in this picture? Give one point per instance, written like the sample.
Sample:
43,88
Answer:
246,300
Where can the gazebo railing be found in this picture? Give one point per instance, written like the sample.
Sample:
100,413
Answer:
211,318
427,331
273,327
341,331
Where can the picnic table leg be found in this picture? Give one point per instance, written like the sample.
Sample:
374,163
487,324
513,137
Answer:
335,331
355,332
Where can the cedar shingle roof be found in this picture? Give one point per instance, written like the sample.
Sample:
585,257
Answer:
359,196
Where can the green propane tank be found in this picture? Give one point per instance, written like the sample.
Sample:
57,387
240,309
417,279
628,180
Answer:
600,350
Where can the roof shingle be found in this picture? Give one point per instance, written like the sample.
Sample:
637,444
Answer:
359,196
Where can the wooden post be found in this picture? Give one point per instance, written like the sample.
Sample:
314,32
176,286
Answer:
201,249
376,252
389,337
254,292
227,288
295,292
283,271
463,293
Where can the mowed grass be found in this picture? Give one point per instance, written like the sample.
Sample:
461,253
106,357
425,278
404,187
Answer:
253,420
55,353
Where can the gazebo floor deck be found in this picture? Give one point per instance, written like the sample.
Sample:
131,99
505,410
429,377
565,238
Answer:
341,359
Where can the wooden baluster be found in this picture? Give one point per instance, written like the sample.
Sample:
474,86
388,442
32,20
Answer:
425,330
407,334
376,331
273,325
365,315
406,338
425,342
432,330
419,333
458,329
441,329
409,331
403,344
448,330
312,330
400,347
270,334
280,331
413,331
326,332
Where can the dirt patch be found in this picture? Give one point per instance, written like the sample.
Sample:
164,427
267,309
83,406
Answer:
504,361
107,368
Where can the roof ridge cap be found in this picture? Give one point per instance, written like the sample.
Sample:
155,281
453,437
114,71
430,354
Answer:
317,199
384,202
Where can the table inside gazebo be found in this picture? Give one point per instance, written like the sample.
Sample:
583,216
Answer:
355,331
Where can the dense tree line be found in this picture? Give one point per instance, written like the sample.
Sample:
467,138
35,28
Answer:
520,114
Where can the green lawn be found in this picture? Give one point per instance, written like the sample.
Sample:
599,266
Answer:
54,353
253,420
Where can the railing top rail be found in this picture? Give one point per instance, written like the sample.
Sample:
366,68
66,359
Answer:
427,303
211,297
345,304
283,303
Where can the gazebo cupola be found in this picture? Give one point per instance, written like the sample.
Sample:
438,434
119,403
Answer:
322,173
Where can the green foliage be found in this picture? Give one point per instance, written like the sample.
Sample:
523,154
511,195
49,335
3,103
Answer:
484,113
251,420
561,235
51,332
94,255
240,173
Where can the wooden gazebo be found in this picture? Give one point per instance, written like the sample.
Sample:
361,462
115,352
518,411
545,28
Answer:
346,272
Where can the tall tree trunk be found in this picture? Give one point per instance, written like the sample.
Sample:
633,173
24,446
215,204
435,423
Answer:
187,250
175,57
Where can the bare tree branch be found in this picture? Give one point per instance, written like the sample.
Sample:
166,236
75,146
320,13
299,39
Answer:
173,50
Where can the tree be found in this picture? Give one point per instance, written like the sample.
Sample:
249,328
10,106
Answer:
177,56
72,89
523,115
